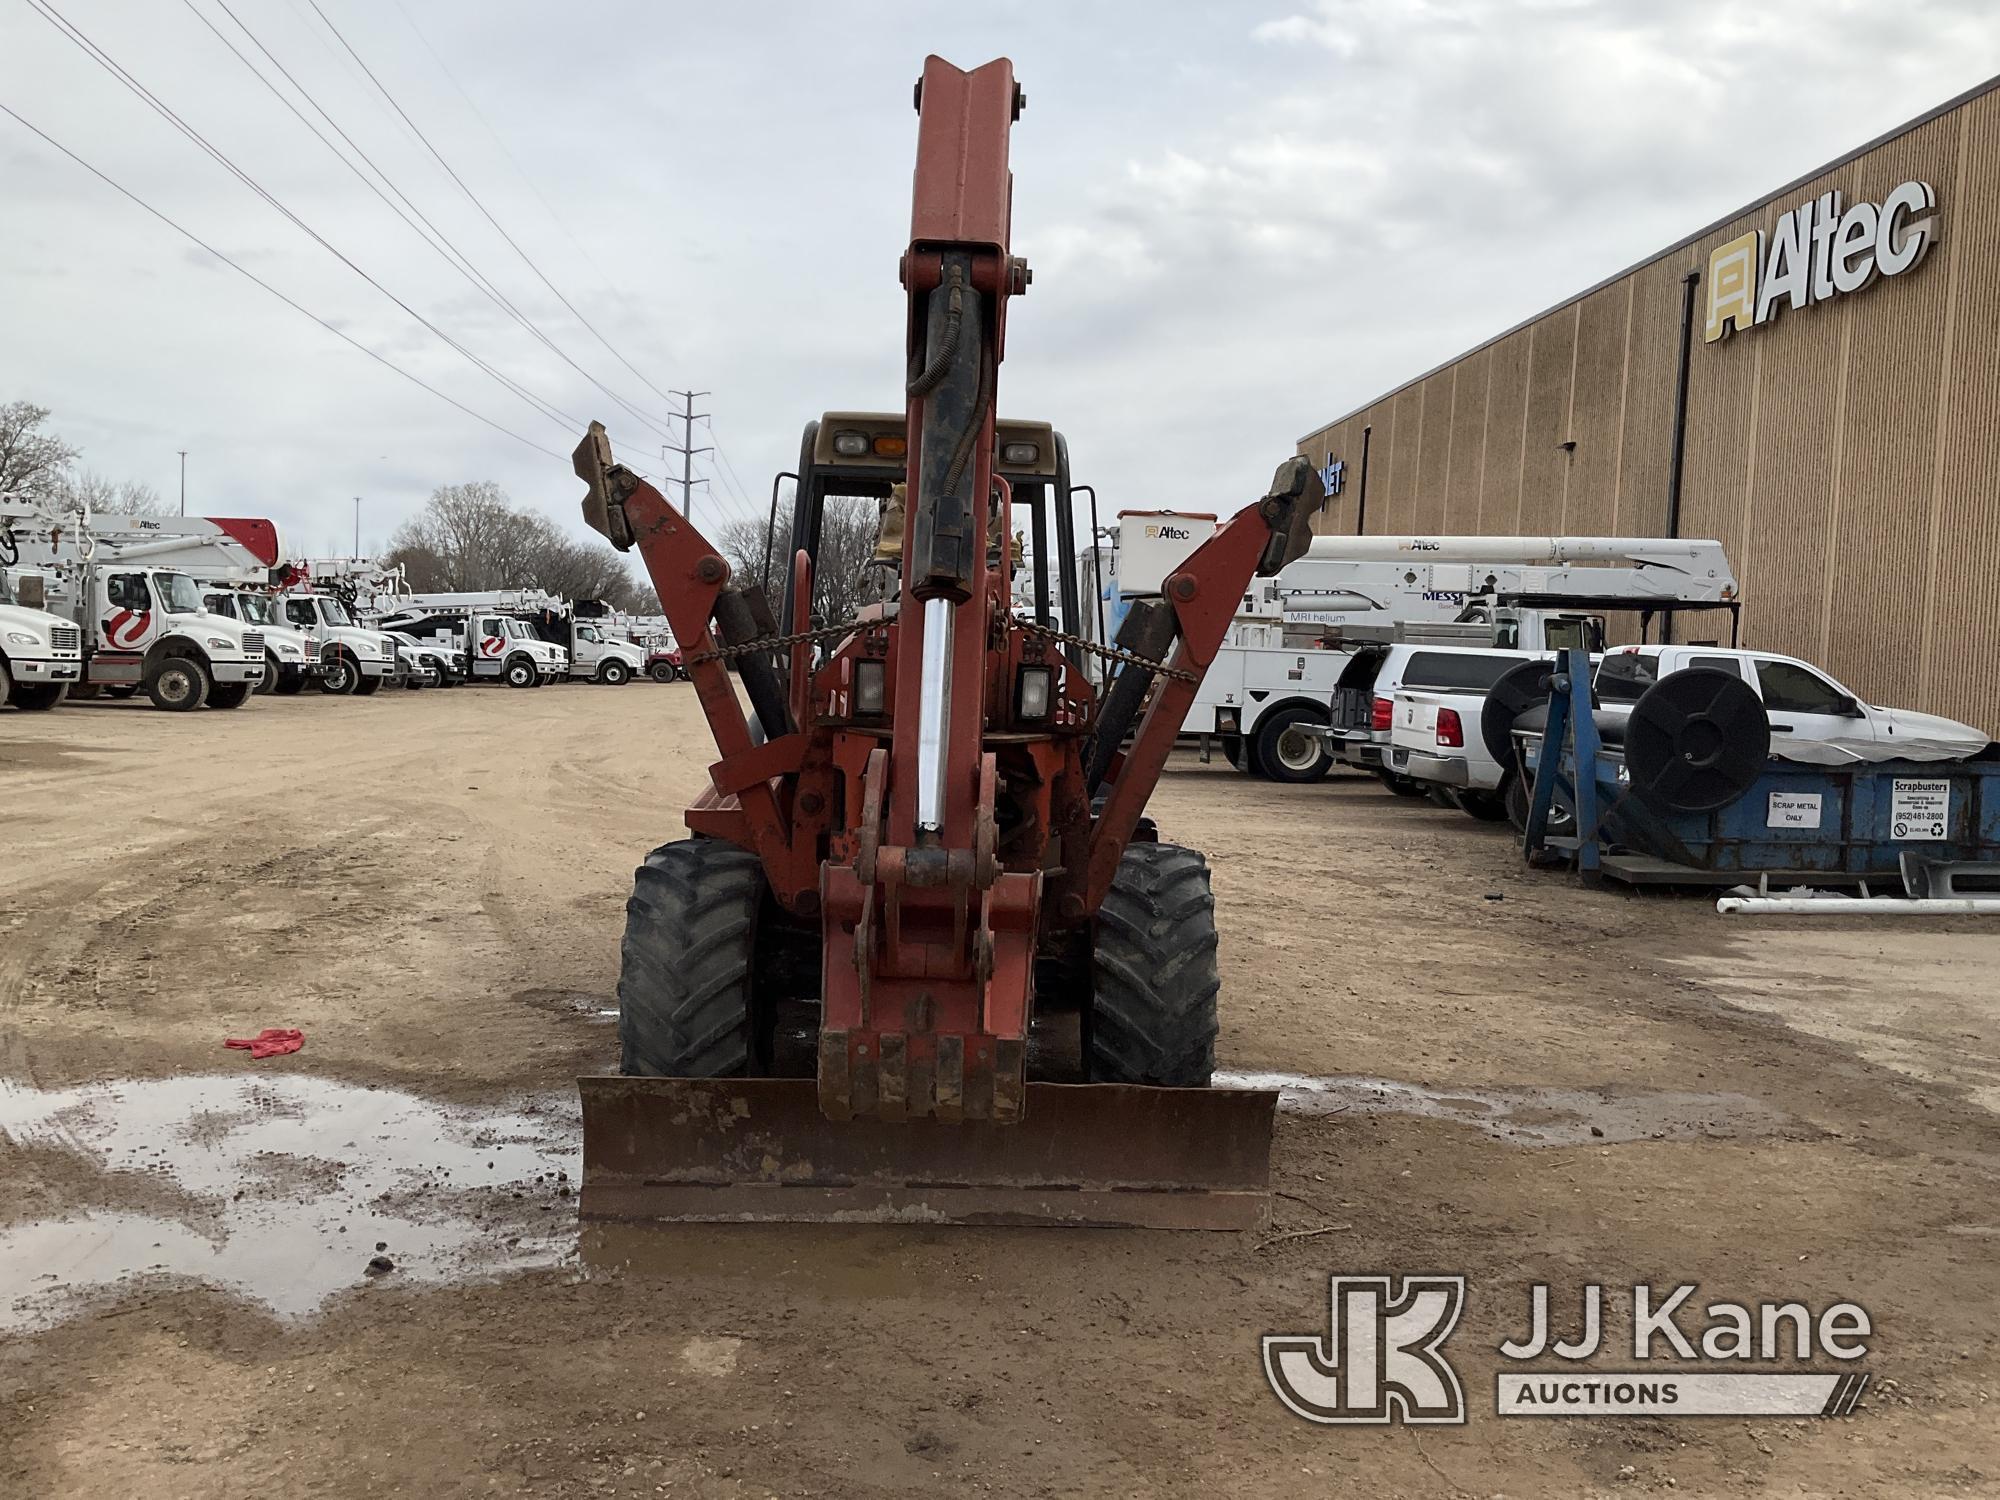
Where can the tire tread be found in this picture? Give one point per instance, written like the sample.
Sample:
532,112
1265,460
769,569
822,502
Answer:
1153,1016
688,961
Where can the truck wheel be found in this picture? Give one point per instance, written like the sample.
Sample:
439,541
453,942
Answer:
290,681
686,966
338,676
1153,972
1514,797
272,672
1286,748
179,683
366,687
36,696
662,671
6,684
521,673
229,694
1488,807
617,673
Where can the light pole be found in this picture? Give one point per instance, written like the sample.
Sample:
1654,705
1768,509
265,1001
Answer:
184,480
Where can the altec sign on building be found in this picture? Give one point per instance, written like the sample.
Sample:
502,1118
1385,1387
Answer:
1817,253
1811,380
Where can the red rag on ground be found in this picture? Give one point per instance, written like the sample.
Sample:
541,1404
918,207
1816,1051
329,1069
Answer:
272,1041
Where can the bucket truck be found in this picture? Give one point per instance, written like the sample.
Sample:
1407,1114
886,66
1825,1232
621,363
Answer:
124,581
231,560
41,654
588,649
1270,694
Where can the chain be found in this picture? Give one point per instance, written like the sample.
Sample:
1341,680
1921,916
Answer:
778,642
831,632
1109,653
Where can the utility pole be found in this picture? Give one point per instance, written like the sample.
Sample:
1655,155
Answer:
184,480
357,526
687,416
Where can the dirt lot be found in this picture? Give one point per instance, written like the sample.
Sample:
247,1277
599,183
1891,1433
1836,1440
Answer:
1534,1084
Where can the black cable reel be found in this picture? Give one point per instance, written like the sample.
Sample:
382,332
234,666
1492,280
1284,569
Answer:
1518,689
1696,741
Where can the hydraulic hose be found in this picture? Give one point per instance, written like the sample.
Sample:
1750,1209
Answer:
926,380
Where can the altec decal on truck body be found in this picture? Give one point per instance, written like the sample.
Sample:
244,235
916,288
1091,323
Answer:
1815,253
126,629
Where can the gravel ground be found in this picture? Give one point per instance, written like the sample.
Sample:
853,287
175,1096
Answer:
1521,1082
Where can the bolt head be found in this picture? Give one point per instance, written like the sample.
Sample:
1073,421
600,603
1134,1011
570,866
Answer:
1182,587
711,569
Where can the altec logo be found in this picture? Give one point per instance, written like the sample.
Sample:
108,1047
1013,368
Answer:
126,628
1817,252
1170,533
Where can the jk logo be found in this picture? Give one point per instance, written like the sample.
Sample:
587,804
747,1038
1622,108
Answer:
1381,1363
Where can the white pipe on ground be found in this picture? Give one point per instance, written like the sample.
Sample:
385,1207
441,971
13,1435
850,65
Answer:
1859,906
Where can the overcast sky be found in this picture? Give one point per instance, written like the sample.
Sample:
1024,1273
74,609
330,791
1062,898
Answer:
1245,218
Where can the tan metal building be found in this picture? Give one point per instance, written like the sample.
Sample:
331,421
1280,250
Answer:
1815,381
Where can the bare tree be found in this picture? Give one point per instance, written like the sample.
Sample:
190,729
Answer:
39,465
105,496
33,463
847,531
471,537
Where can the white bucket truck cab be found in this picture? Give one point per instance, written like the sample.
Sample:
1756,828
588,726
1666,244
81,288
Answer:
499,644
590,646
123,581
352,657
41,654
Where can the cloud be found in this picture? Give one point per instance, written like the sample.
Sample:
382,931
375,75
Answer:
1243,220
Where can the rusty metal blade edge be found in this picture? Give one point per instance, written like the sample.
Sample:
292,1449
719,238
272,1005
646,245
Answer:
758,1150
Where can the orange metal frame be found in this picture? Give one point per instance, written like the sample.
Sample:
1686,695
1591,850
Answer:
929,938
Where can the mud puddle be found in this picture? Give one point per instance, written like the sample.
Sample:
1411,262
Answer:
586,1004
276,1189
1530,1117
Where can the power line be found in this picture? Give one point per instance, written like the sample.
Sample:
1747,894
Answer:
104,60
253,276
736,484
473,198
433,237
519,171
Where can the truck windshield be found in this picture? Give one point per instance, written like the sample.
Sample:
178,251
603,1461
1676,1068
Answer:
334,613
588,633
253,607
518,629
177,593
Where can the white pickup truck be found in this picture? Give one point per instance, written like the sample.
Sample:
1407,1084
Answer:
1365,715
1813,718
1435,740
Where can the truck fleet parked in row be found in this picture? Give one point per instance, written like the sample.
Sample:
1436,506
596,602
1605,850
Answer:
204,612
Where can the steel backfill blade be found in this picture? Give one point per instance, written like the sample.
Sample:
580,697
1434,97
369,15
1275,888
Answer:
730,1150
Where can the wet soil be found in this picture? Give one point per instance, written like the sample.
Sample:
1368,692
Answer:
1485,1071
